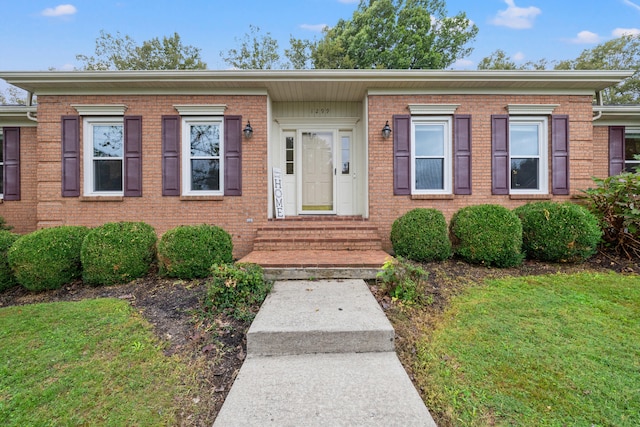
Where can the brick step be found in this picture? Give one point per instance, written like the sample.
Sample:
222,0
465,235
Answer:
317,234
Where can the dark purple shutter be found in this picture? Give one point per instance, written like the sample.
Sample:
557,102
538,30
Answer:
11,170
500,154
133,156
170,155
70,156
401,154
616,150
233,155
462,154
560,154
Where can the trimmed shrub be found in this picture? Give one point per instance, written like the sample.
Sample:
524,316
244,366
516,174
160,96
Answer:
421,235
236,290
7,278
189,251
118,252
558,232
487,234
47,258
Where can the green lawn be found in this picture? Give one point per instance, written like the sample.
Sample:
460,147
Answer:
537,351
93,362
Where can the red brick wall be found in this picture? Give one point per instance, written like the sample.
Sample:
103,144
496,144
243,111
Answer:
21,214
384,207
601,151
163,213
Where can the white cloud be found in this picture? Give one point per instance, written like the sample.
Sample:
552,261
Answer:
67,67
314,27
60,10
619,32
586,37
462,64
516,17
632,4
518,56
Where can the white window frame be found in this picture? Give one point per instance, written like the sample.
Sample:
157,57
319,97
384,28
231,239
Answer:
628,131
446,123
88,172
187,122
543,153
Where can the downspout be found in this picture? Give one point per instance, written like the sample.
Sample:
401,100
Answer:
30,115
599,103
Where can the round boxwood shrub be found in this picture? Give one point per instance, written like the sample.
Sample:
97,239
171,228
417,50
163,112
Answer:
189,251
47,258
558,232
421,235
118,252
487,234
7,278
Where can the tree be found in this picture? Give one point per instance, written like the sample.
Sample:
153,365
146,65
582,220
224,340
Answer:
122,53
396,34
498,60
256,52
13,96
622,53
299,53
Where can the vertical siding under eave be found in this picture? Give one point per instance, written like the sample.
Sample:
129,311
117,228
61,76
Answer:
316,109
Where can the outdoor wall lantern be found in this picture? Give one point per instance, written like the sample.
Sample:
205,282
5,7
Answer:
386,130
248,130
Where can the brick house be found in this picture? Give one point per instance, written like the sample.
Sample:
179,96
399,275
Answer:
169,147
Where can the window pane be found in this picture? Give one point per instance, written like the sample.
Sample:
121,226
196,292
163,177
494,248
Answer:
346,154
205,175
289,168
523,140
107,175
107,140
289,155
429,174
524,174
429,140
205,140
632,145
289,143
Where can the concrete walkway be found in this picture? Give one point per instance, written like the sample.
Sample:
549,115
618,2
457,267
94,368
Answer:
321,353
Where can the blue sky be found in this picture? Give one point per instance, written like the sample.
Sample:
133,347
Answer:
43,34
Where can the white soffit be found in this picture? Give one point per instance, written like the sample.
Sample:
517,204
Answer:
201,110
100,110
432,109
531,109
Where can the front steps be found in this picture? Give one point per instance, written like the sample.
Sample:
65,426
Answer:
307,247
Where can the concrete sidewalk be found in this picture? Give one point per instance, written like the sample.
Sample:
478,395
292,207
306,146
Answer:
321,353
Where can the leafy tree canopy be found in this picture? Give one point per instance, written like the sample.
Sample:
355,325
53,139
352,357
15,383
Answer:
622,53
396,34
117,52
255,52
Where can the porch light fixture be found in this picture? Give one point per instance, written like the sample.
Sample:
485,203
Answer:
386,130
248,130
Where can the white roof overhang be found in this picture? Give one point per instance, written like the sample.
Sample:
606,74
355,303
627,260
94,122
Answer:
617,115
313,85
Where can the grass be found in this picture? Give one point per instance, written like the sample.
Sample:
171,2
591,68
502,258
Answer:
548,350
94,362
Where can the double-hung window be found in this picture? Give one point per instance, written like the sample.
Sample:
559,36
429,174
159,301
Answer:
202,156
104,155
431,155
632,149
528,141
